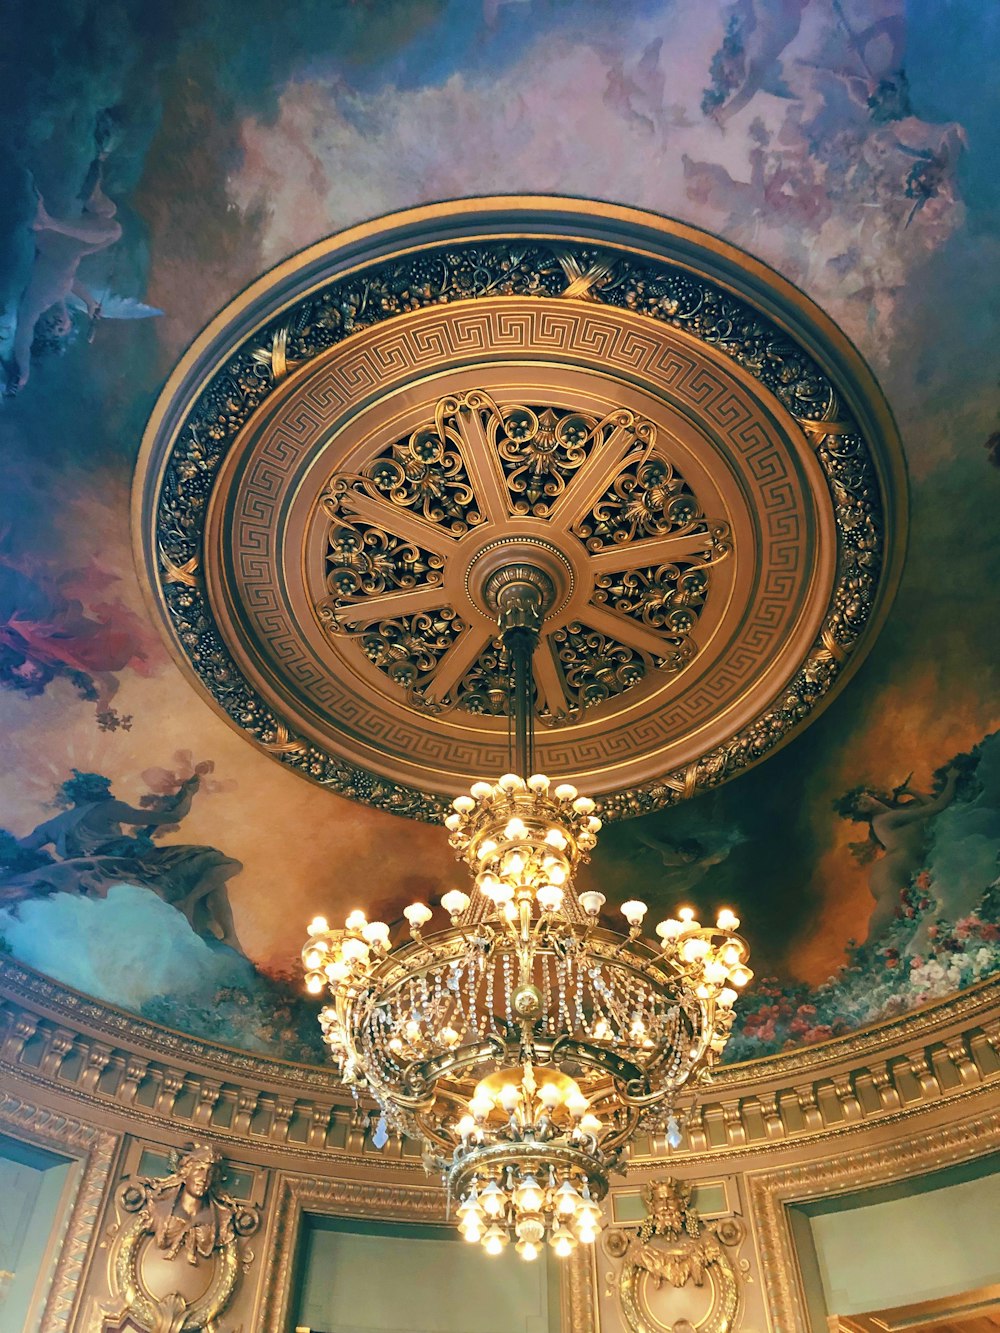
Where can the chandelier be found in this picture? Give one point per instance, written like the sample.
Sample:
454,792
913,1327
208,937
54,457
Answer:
524,1043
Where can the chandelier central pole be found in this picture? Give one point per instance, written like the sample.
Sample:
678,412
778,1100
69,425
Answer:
521,595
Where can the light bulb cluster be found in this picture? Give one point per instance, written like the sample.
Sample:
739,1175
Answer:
522,1040
528,1207
523,838
509,1186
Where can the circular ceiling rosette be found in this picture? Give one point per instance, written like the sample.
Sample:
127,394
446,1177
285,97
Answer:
345,462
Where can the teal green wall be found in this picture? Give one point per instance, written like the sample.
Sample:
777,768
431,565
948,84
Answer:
31,1189
418,1280
917,1244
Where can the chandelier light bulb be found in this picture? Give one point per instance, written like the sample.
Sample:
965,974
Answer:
592,902
510,1097
550,1096
355,920
495,1240
492,1200
694,948
337,971
686,914
318,925
527,1249
511,782
716,972
633,911
727,997
376,933
565,792
464,805
583,805
480,790
538,783
727,920
314,983
313,959
528,1196
557,839
354,951
417,914
455,902
550,898
567,1199
740,976
577,1104
481,1106
563,1242
516,828
590,1124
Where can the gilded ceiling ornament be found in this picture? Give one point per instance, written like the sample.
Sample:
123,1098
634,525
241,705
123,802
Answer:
708,468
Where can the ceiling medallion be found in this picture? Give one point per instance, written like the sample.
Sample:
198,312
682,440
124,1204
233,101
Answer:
350,461
522,1044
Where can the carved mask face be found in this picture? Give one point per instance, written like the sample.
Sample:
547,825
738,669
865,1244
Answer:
197,1173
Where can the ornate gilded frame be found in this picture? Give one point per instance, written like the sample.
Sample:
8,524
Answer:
771,1193
96,1150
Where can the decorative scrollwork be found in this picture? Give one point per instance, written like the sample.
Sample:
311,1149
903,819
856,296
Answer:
408,648
485,689
648,499
365,561
424,472
666,597
595,667
540,450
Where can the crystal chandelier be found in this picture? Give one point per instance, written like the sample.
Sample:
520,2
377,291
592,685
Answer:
525,1043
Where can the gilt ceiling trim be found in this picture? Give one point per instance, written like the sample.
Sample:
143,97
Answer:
683,443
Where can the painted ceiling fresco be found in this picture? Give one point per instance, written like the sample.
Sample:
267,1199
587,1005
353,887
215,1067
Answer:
157,158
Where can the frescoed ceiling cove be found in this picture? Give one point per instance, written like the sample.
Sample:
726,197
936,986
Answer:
157,160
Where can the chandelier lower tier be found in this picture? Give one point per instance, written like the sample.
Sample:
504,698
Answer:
525,1043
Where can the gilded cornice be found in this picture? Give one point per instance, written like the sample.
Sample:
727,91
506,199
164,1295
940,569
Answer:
944,1056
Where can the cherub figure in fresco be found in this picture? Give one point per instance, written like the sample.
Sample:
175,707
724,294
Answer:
92,852
44,318
684,861
749,60
897,826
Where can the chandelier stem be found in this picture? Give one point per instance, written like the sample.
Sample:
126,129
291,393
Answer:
520,643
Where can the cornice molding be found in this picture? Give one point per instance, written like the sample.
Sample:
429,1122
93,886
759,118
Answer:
150,1080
